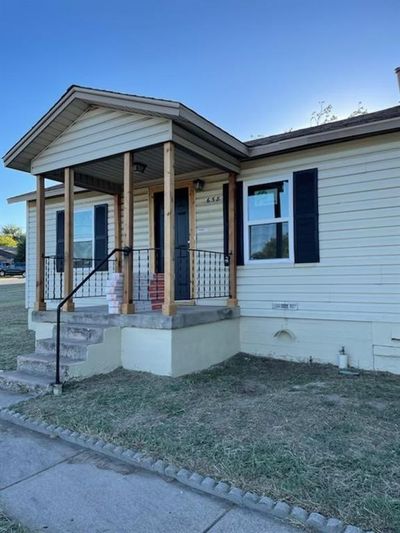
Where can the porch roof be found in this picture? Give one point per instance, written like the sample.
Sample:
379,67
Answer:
77,100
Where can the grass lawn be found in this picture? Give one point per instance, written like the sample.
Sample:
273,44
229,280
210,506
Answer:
293,431
7,526
15,339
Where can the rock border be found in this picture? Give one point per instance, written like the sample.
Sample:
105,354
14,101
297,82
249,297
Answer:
277,509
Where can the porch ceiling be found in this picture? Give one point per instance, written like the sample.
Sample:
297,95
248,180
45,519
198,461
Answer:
106,175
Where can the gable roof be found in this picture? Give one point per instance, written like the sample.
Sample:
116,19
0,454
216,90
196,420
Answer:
77,100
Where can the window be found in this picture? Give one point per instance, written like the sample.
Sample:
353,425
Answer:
268,235
83,238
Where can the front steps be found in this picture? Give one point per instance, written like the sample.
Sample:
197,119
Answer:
36,372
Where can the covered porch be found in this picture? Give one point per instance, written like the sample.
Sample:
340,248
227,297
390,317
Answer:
174,164
178,311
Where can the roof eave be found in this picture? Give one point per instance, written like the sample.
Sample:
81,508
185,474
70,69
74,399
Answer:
327,137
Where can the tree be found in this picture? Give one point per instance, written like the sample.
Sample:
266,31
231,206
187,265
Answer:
21,248
361,110
12,230
7,240
325,113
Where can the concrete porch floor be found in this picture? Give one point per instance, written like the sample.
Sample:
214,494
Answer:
186,316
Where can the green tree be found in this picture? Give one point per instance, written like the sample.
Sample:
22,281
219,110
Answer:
12,230
21,250
7,240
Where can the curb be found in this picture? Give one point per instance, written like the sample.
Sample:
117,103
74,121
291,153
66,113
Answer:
277,509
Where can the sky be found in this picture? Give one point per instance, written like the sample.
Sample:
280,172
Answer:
254,67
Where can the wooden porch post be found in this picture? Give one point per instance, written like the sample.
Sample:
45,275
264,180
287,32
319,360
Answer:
232,301
169,306
127,304
117,231
68,236
40,243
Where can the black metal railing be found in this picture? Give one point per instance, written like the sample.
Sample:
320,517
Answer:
100,264
205,271
96,287
200,274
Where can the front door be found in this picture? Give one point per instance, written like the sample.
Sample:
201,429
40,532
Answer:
182,260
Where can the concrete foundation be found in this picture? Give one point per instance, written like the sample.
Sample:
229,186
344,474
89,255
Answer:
175,352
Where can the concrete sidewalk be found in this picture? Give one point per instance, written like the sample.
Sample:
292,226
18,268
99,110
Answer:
49,485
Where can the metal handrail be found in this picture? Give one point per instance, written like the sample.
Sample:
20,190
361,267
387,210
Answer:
126,251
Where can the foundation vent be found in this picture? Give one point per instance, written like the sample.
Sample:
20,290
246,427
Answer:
286,306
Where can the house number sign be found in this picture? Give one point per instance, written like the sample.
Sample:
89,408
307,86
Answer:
213,199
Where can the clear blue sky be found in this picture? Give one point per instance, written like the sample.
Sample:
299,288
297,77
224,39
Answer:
252,66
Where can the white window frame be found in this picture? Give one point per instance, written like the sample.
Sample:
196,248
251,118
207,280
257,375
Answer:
247,224
80,210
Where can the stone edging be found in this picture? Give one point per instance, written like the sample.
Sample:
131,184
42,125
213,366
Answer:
277,509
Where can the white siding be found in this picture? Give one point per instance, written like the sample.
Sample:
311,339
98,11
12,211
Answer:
358,277
100,133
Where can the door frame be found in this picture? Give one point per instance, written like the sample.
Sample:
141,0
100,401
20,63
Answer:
192,229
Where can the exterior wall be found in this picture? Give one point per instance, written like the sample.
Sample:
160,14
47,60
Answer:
351,297
100,133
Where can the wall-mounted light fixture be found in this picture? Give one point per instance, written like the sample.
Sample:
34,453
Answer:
139,167
198,185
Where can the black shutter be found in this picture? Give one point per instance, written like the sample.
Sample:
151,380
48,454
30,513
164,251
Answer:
60,241
225,207
239,224
239,220
101,234
305,203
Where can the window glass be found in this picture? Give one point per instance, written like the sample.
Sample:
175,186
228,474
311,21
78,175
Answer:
83,225
269,241
268,201
83,239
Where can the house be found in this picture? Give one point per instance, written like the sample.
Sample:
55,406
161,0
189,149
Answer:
285,246
7,255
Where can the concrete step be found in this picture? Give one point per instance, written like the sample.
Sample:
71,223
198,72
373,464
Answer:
16,381
45,365
85,333
72,350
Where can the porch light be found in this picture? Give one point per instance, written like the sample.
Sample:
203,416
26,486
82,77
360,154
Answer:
139,167
198,185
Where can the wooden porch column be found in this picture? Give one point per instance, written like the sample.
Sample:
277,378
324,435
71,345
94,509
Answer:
40,304
127,267
169,306
117,231
232,301
68,236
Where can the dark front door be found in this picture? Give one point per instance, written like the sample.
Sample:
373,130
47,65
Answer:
182,261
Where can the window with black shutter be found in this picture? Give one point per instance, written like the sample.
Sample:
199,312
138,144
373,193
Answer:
281,219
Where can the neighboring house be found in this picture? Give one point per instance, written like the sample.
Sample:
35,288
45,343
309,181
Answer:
7,255
310,220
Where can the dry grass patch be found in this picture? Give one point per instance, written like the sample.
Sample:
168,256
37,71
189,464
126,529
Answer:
291,431
15,338
8,526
